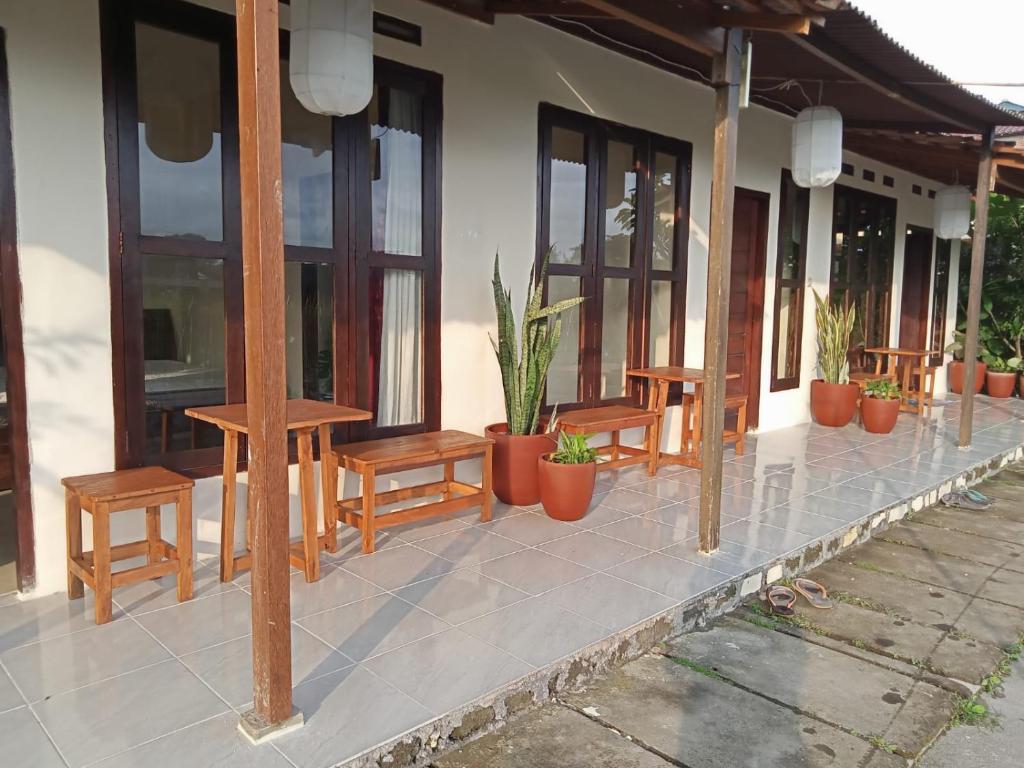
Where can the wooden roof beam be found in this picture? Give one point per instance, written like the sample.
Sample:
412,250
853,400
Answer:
663,22
574,10
1010,160
817,43
796,24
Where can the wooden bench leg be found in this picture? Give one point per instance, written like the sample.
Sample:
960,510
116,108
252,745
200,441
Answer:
741,428
184,544
684,442
369,502
227,521
486,484
328,486
73,512
101,562
615,444
449,477
153,535
307,498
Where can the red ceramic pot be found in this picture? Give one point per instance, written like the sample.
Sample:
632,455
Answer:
956,376
878,415
514,464
1000,384
833,405
565,489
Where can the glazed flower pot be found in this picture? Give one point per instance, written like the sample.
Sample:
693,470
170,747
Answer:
956,376
1000,384
514,464
565,489
833,405
878,415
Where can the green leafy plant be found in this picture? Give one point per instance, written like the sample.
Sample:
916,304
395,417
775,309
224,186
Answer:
882,389
525,359
573,449
835,326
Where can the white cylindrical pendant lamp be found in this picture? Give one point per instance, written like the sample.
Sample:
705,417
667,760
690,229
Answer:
952,212
817,147
331,59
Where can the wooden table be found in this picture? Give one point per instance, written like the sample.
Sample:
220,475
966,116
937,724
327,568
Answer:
661,377
894,354
303,416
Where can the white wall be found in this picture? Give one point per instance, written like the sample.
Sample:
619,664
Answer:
494,79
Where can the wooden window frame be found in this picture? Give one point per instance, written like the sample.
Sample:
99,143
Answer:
786,188
871,283
349,256
590,272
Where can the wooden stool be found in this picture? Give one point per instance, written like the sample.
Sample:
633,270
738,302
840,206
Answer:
102,495
691,435
398,454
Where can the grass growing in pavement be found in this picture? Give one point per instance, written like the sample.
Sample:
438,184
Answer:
882,744
994,681
969,712
696,667
864,602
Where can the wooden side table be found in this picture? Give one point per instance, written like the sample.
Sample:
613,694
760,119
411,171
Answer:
101,496
302,417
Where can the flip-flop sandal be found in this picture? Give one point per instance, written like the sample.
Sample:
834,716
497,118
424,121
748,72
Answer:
978,497
961,500
814,592
781,600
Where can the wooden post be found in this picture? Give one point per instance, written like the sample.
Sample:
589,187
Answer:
725,76
259,126
974,290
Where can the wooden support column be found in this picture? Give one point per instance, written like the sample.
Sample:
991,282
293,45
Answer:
725,77
974,289
259,126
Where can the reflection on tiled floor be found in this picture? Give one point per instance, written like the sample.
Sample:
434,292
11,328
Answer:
446,611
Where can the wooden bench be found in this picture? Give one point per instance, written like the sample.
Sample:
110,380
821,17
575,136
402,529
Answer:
397,454
104,494
691,434
614,419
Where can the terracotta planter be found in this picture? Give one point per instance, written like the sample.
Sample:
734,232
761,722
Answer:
833,405
878,415
1000,384
956,377
565,489
514,465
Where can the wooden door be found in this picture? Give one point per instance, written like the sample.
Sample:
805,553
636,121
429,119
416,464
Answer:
17,560
746,297
917,263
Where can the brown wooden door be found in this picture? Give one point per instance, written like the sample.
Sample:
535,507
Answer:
917,263
746,297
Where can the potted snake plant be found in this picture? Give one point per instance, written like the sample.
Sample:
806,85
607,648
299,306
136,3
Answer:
833,397
880,406
524,361
566,478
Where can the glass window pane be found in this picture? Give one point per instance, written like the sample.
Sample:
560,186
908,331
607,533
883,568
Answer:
614,337
309,330
568,195
564,373
398,341
306,163
620,205
179,134
660,350
396,171
789,342
665,211
183,348
796,206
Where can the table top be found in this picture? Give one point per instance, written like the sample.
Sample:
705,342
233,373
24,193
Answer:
674,373
901,351
301,414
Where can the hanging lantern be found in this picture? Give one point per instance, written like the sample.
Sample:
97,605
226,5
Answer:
817,147
952,212
331,58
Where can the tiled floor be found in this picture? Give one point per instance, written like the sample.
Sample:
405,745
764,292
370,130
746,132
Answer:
446,611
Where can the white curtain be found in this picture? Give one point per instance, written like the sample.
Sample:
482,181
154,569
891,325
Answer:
400,386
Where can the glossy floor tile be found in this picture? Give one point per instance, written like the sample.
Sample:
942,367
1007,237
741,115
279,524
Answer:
447,610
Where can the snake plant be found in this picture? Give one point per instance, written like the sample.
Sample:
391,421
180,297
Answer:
524,362
835,326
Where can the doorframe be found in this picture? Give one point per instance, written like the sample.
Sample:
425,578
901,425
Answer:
925,310
757,290
10,295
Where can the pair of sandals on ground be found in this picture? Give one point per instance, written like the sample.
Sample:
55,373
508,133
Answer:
967,498
782,598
